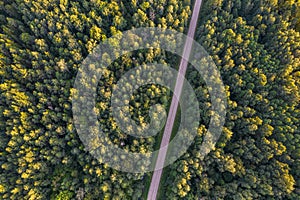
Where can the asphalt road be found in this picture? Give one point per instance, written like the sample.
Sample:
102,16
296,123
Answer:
152,193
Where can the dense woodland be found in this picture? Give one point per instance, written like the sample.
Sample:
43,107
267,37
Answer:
255,45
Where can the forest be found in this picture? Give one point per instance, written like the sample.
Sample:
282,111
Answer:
255,45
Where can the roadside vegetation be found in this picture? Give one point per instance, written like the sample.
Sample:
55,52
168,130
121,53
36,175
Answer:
256,46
